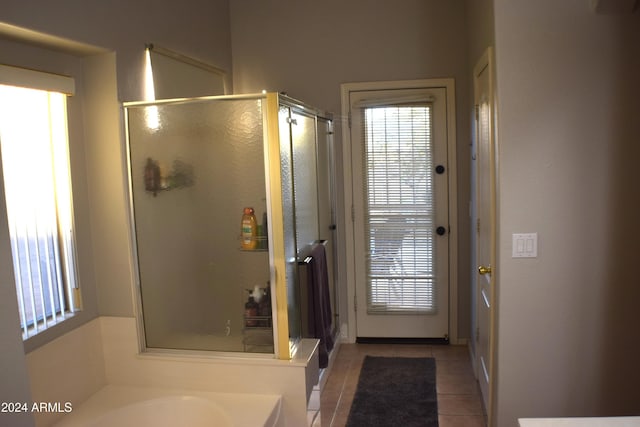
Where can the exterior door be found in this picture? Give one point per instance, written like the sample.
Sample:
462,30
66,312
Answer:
485,228
400,212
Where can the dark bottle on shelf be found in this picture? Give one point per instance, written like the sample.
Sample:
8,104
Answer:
250,313
264,239
152,176
264,308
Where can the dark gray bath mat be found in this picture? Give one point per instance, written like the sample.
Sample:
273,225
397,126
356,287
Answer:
395,391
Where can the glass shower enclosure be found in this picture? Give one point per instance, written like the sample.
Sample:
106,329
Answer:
194,166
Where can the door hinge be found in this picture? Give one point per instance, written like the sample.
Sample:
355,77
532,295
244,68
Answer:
477,108
353,213
355,303
349,119
478,225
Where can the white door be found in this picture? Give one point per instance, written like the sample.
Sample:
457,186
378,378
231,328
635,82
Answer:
400,212
485,181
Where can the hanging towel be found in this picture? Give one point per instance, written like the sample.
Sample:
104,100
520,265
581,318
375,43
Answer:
320,303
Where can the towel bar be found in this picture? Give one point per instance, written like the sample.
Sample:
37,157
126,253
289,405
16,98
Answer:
308,259
305,261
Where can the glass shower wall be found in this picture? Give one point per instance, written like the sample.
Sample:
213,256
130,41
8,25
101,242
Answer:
194,166
303,131
289,217
305,145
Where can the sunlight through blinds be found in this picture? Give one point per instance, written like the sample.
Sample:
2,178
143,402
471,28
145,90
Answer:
37,186
399,218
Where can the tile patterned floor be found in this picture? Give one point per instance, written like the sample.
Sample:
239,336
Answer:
459,401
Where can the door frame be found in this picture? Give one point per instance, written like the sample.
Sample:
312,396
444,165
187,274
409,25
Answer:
348,331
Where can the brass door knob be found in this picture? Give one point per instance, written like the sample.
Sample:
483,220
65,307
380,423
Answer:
484,270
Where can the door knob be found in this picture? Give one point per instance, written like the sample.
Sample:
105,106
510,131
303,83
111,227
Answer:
484,270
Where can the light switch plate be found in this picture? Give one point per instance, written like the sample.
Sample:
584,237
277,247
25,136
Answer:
525,245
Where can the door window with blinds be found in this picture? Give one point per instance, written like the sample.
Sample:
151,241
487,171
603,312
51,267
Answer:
37,188
399,216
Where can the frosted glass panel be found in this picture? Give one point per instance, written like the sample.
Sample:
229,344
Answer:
194,166
303,130
288,204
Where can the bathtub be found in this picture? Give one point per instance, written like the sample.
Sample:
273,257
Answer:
125,406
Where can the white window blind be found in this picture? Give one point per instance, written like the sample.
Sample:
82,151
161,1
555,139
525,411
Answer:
35,173
399,218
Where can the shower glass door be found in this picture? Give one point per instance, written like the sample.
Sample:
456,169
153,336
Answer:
194,166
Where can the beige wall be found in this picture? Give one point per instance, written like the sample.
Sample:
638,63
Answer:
308,49
480,28
199,29
111,261
568,91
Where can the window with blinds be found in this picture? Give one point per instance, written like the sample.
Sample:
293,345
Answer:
35,173
399,218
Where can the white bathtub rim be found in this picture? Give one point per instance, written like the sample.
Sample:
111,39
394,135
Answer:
194,411
244,409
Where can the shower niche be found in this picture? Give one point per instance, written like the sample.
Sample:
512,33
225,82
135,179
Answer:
194,166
